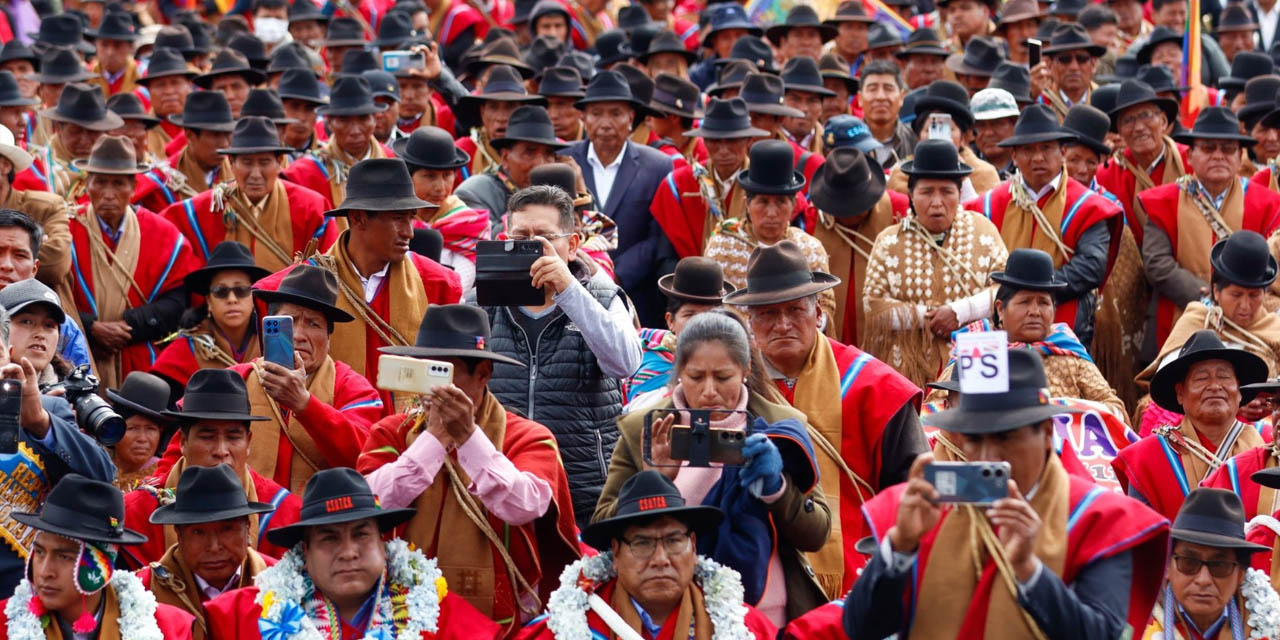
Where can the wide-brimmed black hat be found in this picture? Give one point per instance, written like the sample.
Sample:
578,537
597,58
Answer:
833,66
205,111
504,85
633,17
265,103
201,36
1246,65
10,95
848,184
177,37
723,16
61,31
351,96
880,36
609,86
1013,78
61,66
1070,36
800,15
334,496
529,123
613,46
641,36
948,97
288,56
208,494
215,394
1029,270
980,58
950,385
382,84
1037,123
252,48
936,159
1158,36
395,31
226,256
124,104
647,495
1025,403
675,96
696,279
1213,518
753,50
115,25
771,170
923,42
1215,123
304,11
165,63
1204,345
453,331
641,87
430,147
356,62
379,184
543,52
764,93
779,273
850,11
726,120
228,63
311,287
301,84
344,32
16,50
254,134
111,155
1088,126
1259,99
504,52
730,76
801,74
1160,78
1136,92
1235,17
1243,259
83,509
666,41
143,393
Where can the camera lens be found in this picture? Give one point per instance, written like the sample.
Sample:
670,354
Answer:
986,472
98,419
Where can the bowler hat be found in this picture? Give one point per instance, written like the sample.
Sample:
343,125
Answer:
252,48
1259,99
1158,36
1213,518
556,174
379,184
843,130
646,496
10,95
83,509
726,120
801,74
753,50
254,134
227,255
1204,345
771,170
164,63
501,51
833,66
947,97
308,286
848,184
431,147
334,496
1136,92
936,159
667,42
305,11
1019,10
730,76
1013,78
1025,403
1029,270
522,10
980,58
1070,36
215,395
351,96
301,84
1215,123
800,15
344,32
16,50
850,11
115,25
61,31
763,93
395,31
612,46
61,66
127,106
111,155
208,494
1089,127
675,96
696,279
923,41
24,293
1159,77
1036,124
1243,259
779,273
205,111
504,85
453,331
609,86
229,63
1246,65
529,123
143,393
265,103
725,16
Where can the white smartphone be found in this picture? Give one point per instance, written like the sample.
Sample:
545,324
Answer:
412,375
939,127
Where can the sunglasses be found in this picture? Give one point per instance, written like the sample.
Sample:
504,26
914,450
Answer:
222,293
1066,58
1190,566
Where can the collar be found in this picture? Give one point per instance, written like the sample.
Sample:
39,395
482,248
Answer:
211,591
1218,199
1157,161
115,233
595,159
1067,101
376,275
1212,631
1275,8
1045,190
654,629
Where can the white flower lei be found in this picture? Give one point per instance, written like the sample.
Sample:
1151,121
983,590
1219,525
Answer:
284,583
721,590
137,610
1263,605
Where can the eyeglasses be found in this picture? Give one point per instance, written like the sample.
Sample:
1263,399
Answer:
674,544
1190,566
1066,58
1225,147
547,237
222,293
1134,118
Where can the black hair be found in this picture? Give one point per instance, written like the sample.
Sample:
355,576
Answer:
912,180
1096,15
14,218
883,68
1156,4
269,4
545,195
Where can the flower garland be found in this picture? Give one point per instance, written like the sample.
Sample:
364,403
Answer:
721,590
28,617
1263,605
408,601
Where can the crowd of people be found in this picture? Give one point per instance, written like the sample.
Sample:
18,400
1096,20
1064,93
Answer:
719,392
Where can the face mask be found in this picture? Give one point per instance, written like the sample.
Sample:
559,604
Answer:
271,30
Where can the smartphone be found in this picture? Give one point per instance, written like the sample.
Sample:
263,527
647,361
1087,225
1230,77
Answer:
393,61
695,442
1033,52
412,375
977,483
502,273
10,408
277,340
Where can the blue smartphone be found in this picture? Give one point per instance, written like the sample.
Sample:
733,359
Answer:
277,340
978,483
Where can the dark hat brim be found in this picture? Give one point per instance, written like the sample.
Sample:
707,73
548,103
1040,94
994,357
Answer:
702,519
959,112
388,519
809,88
499,143
959,420
641,108
1249,368
745,297
660,109
1026,285
791,187
749,27
344,42
909,168
401,147
665,285
240,151
1093,49
769,68
362,110
1032,138
923,50
1216,540
224,127
253,76
83,165
185,417
146,119
154,415
718,134
128,537
689,56
167,514
950,386
1250,114
320,100
850,83
21,102
1167,105
1221,270
198,281
774,34
432,352
843,204
956,63
1188,137
1269,477
333,313
1097,146
780,110
108,122
375,204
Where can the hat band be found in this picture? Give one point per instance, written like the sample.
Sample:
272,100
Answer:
668,99
211,502
1208,524
339,504
450,340
780,281
73,519
216,401
1020,398
501,87
752,97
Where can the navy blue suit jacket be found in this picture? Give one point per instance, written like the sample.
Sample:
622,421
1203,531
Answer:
644,253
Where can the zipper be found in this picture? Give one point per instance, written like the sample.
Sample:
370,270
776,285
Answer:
604,470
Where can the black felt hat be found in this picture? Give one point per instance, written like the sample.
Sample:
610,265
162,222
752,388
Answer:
229,63
561,82
1215,123
124,104
753,50
833,66
11,96
1246,65
881,36
850,11
351,96
115,25
205,111
208,494
143,393
696,279
344,32
1203,345
453,331
254,134
947,97
609,86
1126,66
61,66
543,52
779,273
433,148
923,42
1038,123
83,105
308,286
800,15
633,17
936,159
301,84
771,170
647,495
305,11
61,31
731,76
228,255
1259,99
355,62
1088,126
83,509
1013,78
641,36
667,42
980,58
380,184
726,120
334,496
166,62
1213,518
1243,259
1136,92
265,103
288,56
764,93
801,74
252,48
383,84
1070,36
504,85
613,46
675,96
395,31
16,50
1159,77
215,394
1158,36
724,16
1025,403
848,184
1029,270
529,123
641,87
178,38
585,63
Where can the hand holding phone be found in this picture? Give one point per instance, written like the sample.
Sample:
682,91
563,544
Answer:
550,272
1033,52
977,483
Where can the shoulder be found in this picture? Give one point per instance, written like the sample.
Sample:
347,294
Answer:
243,369
299,194
41,201
477,184
1165,193
174,623
649,156
576,149
267,488
229,607
432,271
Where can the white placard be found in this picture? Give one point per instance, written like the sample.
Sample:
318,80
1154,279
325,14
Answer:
983,359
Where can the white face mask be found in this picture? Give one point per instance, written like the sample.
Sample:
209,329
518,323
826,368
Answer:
271,30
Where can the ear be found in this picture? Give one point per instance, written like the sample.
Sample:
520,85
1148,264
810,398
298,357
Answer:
483,372
668,317
1179,391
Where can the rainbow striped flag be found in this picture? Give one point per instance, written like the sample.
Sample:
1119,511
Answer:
1191,54
884,13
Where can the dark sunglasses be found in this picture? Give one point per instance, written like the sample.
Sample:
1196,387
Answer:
1066,58
1190,566
222,293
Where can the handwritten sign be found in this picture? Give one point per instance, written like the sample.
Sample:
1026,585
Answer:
983,359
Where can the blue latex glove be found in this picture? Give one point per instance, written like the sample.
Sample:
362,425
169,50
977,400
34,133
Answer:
764,464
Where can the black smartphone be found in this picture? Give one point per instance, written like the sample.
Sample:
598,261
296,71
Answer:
502,273
977,483
1033,52
695,442
10,409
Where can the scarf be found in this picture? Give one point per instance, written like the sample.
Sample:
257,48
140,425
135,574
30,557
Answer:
1037,227
460,226
1262,337
406,301
250,493
307,458
690,618
112,274
178,586
194,173
713,198
485,156
266,228
1173,169
960,573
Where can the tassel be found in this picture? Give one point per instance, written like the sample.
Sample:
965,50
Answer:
86,622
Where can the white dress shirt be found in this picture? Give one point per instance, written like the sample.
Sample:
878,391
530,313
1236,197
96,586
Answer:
1045,190
603,174
372,283
1266,23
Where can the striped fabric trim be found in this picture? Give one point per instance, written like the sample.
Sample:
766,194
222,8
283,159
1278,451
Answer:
266,518
173,257
852,374
986,204
1066,220
1083,506
190,208
376,402
1175,463
84,286
1234,474
168,194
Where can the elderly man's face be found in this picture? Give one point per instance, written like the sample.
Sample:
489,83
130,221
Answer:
386,233
1142,128
1268,138
1202,594
256,173
214,550
786,331
110,194
1168,55
310,334
989,133
1210,391
921,69
881,97
1073,70
1215,161
1233,42
1172,15
851,38
77,139
1082,162
345,560
494,116
802,41
655,563
1024,448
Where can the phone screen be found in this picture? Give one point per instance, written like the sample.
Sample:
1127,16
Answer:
940,127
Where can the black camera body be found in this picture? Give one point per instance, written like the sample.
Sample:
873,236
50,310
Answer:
94,415
10,409
502,273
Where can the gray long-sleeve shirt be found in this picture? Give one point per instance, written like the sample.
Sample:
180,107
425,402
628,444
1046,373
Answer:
1170,279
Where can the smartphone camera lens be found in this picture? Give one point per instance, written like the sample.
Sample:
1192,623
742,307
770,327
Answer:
986,472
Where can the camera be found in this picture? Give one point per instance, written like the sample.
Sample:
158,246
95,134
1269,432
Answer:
10,408
94,415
